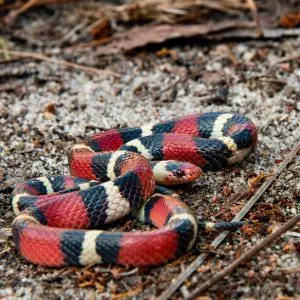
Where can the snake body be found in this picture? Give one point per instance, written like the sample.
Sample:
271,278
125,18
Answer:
116,173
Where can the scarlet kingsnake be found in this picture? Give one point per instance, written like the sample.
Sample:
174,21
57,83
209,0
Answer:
112,176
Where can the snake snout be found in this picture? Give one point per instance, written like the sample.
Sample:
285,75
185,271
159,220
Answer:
191,172
175,172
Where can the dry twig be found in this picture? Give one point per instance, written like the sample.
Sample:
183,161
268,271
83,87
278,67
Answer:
13,14
219,239
290,270
59,62
265,242
8,87
18,7
289,58
268,33
253,7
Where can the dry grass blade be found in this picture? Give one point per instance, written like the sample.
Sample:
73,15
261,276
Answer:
172,11
267,33
253,7
19,7
13,14
59,62
219,239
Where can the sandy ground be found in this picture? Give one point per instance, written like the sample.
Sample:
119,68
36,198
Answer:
48,109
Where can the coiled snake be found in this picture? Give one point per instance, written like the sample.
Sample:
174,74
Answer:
115,173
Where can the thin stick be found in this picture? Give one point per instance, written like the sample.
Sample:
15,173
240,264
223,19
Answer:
265,242
289,270
20,8
59,62
13,14
253,8
8,87
219,239
288,58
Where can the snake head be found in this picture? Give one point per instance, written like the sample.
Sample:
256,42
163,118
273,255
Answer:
174,172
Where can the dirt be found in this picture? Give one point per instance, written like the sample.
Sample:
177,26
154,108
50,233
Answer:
45,109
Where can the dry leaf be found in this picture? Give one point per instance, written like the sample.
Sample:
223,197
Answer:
49,111
101,29
290,20
289,247
167,52
141,36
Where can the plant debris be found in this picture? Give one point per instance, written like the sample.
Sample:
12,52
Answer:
138,23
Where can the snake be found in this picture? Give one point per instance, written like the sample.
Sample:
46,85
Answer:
62,220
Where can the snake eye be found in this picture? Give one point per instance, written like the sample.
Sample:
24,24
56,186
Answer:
179,173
